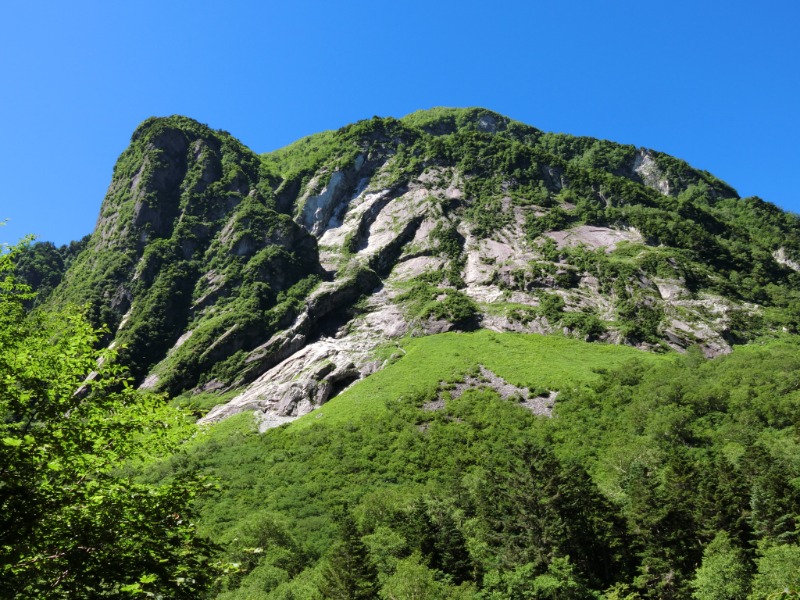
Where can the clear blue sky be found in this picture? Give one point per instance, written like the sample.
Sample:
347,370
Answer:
715,83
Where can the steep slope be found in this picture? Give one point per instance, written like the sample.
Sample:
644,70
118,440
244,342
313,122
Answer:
290,273
189,251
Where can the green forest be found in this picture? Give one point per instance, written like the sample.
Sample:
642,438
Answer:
658,476
603,457
667,477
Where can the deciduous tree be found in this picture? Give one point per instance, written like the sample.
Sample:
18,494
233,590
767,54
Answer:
71,524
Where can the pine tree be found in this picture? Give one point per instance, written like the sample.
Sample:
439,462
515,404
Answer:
350,573
724,573
451,554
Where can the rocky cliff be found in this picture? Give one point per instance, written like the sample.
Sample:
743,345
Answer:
288,275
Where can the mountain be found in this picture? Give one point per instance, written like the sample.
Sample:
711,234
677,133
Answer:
285,275
396,276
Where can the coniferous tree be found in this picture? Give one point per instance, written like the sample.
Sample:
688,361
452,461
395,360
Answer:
724,572
451,556
350,573
418,529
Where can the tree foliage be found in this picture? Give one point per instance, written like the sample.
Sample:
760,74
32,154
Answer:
350,573
724,573
72,525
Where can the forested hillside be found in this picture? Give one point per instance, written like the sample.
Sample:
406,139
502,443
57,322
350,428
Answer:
442,356
655,477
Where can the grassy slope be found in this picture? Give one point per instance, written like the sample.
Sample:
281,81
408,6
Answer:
369,437
532,361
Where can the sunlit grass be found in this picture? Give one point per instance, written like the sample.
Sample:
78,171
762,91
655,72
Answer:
524,360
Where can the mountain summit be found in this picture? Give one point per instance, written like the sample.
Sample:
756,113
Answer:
289,275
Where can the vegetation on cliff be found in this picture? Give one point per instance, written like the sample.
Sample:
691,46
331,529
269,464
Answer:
200,241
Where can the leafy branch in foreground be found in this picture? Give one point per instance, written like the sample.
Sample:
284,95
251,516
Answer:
71,524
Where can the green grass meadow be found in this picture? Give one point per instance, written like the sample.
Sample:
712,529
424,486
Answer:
524,360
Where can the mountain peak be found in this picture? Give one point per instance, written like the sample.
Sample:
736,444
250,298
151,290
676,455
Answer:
152,126
444,120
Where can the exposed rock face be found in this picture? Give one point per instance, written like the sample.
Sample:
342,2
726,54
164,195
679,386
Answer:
648,170
594,237
324,210
781,257
187,233
538,404
389,231
281,275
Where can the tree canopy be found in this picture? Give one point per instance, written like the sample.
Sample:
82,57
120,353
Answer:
74,522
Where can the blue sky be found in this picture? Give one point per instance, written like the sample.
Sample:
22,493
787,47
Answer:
715,83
